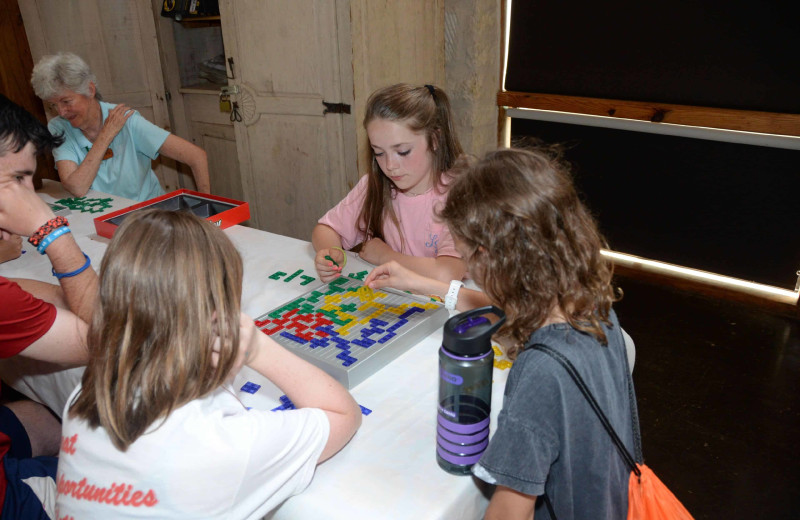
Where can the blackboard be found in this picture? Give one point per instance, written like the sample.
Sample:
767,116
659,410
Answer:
726,208
710,53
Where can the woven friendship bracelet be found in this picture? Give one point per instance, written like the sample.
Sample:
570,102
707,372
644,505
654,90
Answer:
46,241
47,228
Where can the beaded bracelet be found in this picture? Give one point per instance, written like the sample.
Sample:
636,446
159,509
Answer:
46,229
76,271
46,241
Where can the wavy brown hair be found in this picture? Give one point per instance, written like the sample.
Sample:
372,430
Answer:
530,242
422,109
170,283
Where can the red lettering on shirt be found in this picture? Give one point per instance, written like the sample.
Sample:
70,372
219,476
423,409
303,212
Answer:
115,494
68,444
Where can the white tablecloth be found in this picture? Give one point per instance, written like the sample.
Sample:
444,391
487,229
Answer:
388,470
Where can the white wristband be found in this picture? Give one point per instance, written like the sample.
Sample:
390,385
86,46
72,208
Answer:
452,294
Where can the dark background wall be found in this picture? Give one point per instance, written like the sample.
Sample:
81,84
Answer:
727,208
731,209
714,53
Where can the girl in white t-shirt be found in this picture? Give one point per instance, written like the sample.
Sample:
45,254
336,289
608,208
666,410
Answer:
155,430
391,212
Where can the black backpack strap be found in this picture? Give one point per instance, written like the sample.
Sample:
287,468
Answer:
549,506
576,377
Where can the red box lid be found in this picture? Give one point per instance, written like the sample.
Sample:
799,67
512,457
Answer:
222,211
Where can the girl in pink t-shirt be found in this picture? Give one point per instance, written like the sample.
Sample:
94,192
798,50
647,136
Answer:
391,212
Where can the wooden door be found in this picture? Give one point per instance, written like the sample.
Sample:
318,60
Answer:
213,131
117,39
195,107
394,42
288,56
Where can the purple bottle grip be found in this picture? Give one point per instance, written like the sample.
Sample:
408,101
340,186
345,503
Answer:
457,460
470,449
462,439
464,429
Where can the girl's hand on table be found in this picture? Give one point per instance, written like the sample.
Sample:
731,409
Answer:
329,262
394,275
248,342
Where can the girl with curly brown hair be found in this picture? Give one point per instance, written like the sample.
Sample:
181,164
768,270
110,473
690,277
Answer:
535,250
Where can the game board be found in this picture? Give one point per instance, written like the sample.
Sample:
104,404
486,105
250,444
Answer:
350,331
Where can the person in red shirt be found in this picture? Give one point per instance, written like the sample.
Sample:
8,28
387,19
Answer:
51,327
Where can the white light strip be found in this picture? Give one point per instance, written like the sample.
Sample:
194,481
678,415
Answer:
634,125
765,291
507,23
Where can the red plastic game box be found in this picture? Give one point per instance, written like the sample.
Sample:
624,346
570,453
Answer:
221,211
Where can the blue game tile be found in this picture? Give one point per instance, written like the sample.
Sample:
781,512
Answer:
328,329
294,338
250,387
387,337
410,311
365,333
397,325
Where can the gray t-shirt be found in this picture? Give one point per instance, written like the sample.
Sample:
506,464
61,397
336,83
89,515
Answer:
548,439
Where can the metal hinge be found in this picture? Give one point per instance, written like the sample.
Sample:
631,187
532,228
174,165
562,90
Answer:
335,108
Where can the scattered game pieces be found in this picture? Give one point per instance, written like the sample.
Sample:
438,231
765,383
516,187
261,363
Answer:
86,205
359,275
499,363
287,404
293,275
62,211
306,279
349,330
250,387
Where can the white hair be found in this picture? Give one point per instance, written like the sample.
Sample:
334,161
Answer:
63,71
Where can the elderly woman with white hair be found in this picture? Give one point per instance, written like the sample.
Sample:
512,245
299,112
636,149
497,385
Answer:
107,147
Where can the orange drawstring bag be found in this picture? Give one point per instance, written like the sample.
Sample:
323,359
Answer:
648,497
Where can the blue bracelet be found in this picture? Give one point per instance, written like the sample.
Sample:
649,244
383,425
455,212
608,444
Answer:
46,241
76,271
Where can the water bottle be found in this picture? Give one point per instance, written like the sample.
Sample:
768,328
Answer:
466,360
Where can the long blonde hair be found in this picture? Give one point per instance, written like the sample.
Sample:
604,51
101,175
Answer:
170,284
532,244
